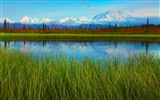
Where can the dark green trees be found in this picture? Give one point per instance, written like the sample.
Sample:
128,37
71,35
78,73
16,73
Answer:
65,27
5,24
109,26
158,25
44,26
14,27
29,28
147,26
24,27
8,26
115,28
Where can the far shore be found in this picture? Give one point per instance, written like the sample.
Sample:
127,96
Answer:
78,37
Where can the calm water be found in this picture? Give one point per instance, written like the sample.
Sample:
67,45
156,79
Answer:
106,49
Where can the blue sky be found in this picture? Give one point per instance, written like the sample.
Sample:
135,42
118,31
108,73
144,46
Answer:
58,9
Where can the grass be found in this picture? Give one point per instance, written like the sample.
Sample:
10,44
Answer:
78,37
25,77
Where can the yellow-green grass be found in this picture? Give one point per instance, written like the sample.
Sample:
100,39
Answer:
78,37
26,77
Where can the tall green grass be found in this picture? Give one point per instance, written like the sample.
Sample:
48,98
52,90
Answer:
25,77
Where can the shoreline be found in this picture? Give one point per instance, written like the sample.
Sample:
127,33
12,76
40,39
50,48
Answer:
78,37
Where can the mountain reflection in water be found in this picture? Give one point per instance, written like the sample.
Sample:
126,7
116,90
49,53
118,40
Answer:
100,50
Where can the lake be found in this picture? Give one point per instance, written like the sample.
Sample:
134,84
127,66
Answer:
96,49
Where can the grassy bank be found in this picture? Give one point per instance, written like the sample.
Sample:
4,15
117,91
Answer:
78,37
24,77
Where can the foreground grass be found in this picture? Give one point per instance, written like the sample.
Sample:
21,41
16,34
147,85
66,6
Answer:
24,77
78,37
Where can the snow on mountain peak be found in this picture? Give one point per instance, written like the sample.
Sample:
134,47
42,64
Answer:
121,17
29,20
112,16
74,21
26,20
83,20
46,20
7,19
68,21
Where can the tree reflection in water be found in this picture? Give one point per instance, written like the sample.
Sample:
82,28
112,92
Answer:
97,49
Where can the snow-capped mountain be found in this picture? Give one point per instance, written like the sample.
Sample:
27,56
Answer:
123,18
7,19
74,21
68,21
112,16
46,20
29,20
83,20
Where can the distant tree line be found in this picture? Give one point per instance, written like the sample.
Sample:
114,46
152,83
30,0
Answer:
84,28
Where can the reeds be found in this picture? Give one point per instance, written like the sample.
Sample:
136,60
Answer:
25,77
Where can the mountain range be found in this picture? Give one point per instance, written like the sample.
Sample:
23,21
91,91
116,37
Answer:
113,17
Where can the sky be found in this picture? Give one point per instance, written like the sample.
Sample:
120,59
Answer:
58,9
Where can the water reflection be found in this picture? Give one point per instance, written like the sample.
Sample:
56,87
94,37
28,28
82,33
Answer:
104,49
